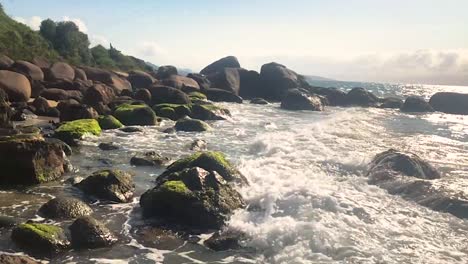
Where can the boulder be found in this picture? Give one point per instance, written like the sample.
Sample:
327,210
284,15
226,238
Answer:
249,83
41,62
71,131
149,159
226,79
140,79
80,74
334,96
143,95
41,105
109,185
361,97
64,208
16,85
220,95
16,259
192,197
197,96
109,78
135,115
172,111
451,103
227,62
276,80
28,159
59,94
191,125
181,83
416,104
87,232
60,71
164,94
209,112
225,240
98,93
31,71
5,62
108,146
296,99
259,101
201,79
40,239
109,122
391,102
130,129
166,71
70,111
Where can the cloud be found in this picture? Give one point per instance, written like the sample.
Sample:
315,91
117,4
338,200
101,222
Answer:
78,22
98,40
33,22
151,49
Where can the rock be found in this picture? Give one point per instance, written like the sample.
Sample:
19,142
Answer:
59,94
197,96
451,103
7,222
227,62
5,62
193,197
42,105
199,145
226,79
276,80
140,79
16,85
361,97
75,130
181,83
259,101
109,122
158,238
70,111
143,95
80,75
60,71
166,72
334,96
99,93
210,161
164,94
28,159
136,115
31,71
150,159
41,62
209,112
109,185
65,147
201,79
102,109
172,111
391,102
416,104
219,95
87,232
16,259
40,239
169,130
249,83
191,125
131,129
109,78
298,100
227,240
108,146
65,208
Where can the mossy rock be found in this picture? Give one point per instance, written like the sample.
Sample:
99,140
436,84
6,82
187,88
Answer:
75,130
136,115
197,96
191,125
209,112
40,239
87,232
109,122
172,111
65,208
210,161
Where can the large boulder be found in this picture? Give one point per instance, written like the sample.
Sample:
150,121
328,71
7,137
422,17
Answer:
111,79
201,79
70,111
249,83
334,96
40,239
99,93
28,159
276,80
226,79
140,79
227,62
16,85
221,95
33,72
69,132
143,95
416,104
109,185
109,122
391,102
59,94
451,103
166,71
80,75
172,111
192,197
163,94
209,112
361,97
191,125
5,62
87,232
181,83
135,115
65,208
60,71
296,99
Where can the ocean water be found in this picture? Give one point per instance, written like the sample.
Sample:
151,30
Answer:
308,185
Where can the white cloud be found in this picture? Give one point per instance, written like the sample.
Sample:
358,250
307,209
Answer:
33,22
78,22
98,40
151,49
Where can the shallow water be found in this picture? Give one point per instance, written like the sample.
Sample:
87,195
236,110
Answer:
307,182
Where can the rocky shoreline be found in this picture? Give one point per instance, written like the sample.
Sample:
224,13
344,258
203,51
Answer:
195,194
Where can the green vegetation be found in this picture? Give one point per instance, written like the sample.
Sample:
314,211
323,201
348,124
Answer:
175,186
48,232
197,96
78,128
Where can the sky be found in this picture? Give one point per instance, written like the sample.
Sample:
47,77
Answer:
404,41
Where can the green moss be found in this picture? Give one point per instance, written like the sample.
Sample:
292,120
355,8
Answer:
138,114
48,232
197,96
191,125
78,128
172,111
109,122
175,186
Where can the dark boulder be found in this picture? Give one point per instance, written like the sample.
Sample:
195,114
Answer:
70,111
296,99
140,79
149,159
451,103
191,125
80,75
225,240
201,79
135,115
209,112
87,232
276,80
60,71
361,97
227,62
109,78
31,71
163,94
108,146
166,72
334,96
109,122
7,222
40,239
220,95
259,101
249,83
416,104
65,208
181,83
59,94
226,79
172,111
143,95
391,102
109,185
98,93
16,85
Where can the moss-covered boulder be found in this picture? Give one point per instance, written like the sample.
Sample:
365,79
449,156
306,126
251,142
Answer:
197,96
209,112
40,239
210,161
109,185
87,232
69,132
191,125
192,197
109,122
65,208
135,115
172,111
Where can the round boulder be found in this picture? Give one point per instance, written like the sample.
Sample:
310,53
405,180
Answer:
140,80
33,72
60,71
40,239
299,100
226,62
163,94
16,85
65,208
361,97
416,104
87,232
451,103
191,125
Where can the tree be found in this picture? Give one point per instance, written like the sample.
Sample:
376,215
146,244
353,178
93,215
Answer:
102,58
71,43
48,30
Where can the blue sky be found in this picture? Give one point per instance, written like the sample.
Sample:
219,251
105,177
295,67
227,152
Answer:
398,41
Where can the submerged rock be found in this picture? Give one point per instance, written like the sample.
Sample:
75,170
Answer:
158,238
199,145
65,208
209,112
191,125
451,103
7,222
108,146
40,239
226,240
110,185
87,232
391,102
149,159
131,129
135,115
259,101
416,104
299,100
